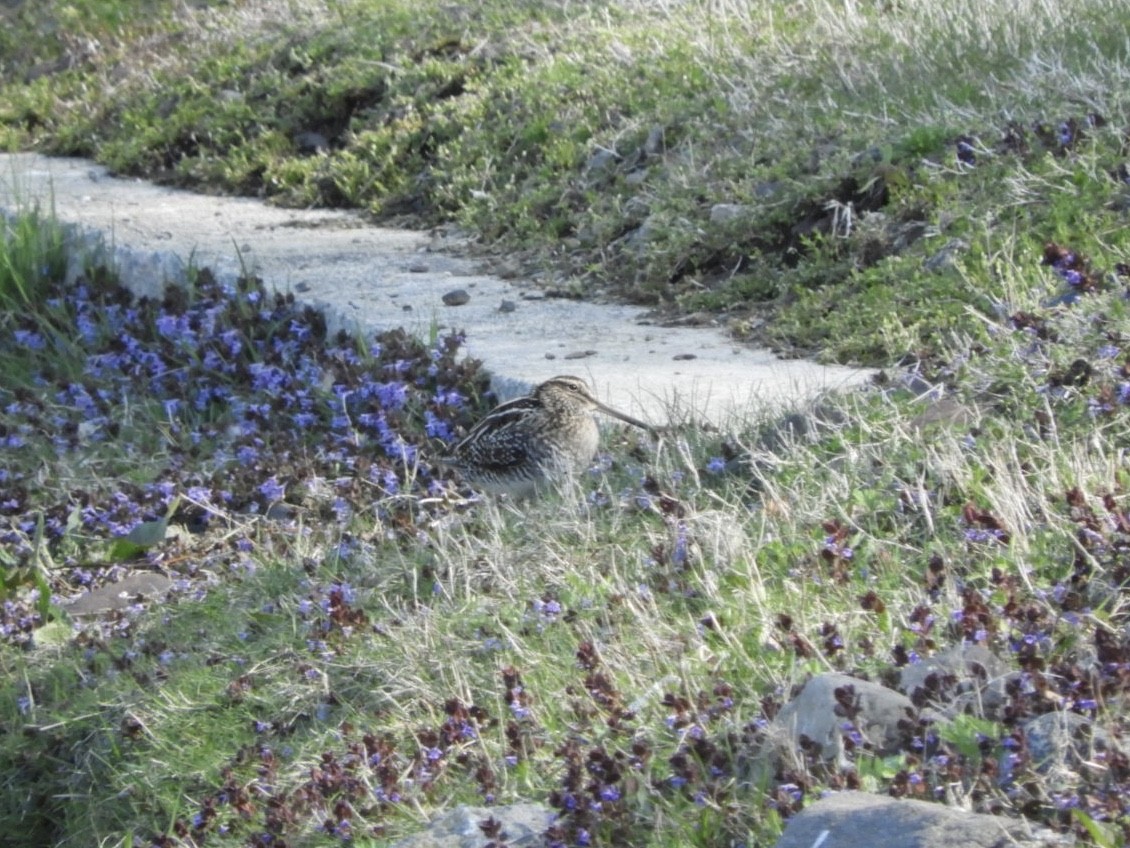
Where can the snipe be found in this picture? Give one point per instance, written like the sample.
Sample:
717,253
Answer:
524,444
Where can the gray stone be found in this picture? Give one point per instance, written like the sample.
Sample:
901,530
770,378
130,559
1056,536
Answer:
767,189
523,824
601,162
135,588
862,820
724,213
963,679
812,715
636,209
457,297
1061,744
946,257
871,154
311,142
638,238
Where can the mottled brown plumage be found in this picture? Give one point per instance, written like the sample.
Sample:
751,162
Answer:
526,443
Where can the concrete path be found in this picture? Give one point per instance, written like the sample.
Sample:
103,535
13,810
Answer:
370,278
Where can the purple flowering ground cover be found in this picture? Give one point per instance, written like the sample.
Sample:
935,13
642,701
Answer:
350,644
216,401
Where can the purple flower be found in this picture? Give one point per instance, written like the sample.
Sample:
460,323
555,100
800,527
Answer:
392,396
436,427
30,339
547,609
449,397
171,326
267,378
716,465
271,490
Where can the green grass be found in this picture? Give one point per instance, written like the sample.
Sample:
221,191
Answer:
284,661
593,142
32,251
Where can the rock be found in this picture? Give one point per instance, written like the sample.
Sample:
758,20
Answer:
580,354
815,714
965,678
523,824
862,820
636,210
789,428
507,269
871,154
656,142
141,586
418,266
1061,744
311,142
946,258
905,234
507,306
724,213
767,189
456,297
638,238
601,162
